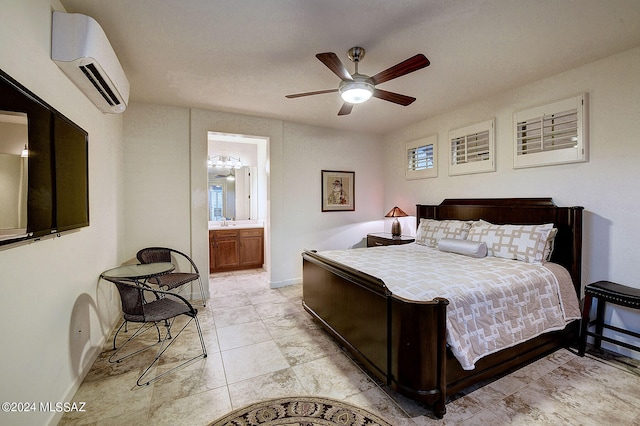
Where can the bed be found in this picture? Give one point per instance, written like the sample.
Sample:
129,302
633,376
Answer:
403,342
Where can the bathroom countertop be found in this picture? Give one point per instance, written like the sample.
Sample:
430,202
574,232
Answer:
236,224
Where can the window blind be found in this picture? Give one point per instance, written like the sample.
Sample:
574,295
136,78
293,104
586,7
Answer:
420,158
470,148
548,133
555,133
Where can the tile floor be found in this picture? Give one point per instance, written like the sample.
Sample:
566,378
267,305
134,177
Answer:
262,344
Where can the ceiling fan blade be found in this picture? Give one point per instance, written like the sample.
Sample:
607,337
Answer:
412,64
332,62
319,92
346,109
396,98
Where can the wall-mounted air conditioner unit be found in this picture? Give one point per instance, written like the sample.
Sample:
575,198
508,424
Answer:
80,48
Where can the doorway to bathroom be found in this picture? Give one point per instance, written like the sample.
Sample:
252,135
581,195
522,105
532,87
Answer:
237,192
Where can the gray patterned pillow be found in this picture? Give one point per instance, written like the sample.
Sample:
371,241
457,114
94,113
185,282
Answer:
520,242
430,231
550,245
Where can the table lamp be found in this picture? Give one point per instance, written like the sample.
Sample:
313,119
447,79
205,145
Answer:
396,212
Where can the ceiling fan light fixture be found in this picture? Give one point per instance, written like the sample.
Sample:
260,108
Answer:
355,92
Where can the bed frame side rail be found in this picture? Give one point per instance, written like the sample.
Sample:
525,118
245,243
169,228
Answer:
352,306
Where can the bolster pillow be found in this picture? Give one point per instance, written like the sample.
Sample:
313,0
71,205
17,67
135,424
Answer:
466,247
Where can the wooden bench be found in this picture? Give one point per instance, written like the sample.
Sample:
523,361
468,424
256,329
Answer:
606,292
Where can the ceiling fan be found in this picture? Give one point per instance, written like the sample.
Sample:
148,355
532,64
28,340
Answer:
357,88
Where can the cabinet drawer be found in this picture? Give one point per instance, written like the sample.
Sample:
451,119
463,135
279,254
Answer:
251,232
231,233
375,241
384,239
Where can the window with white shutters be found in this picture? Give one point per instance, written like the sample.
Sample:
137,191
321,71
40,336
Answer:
472,149
550,134
421,158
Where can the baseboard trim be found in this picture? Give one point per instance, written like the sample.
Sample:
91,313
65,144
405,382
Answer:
278,284
93,354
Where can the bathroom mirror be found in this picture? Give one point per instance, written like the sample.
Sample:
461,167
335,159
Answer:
232,193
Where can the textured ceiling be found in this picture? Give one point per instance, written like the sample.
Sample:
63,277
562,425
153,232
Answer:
245,56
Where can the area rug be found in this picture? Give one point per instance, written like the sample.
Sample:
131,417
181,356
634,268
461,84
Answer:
300,411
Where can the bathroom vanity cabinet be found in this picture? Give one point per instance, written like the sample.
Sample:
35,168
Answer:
232,249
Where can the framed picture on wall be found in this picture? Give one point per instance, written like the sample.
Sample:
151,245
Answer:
338,191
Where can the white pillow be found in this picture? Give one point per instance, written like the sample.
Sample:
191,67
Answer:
466,247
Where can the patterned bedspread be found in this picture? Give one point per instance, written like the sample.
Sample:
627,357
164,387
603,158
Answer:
493,303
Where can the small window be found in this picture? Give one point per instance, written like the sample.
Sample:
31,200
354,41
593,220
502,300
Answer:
471,149
550,134
421,158
215,204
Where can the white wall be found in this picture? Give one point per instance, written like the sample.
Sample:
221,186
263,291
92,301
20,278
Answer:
606,185
156,175
55,310
297,154
307,151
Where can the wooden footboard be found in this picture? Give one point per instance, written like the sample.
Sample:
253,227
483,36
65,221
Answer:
418,359
401,342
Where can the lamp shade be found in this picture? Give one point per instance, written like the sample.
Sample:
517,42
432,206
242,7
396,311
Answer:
396,212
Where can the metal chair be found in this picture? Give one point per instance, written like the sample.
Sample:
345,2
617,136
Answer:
157,307
174,279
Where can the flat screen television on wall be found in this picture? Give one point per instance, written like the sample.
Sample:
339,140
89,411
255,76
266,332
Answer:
44,172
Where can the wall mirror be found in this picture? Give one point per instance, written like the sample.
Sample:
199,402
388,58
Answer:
232,193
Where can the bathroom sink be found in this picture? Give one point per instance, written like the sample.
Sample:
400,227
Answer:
236,224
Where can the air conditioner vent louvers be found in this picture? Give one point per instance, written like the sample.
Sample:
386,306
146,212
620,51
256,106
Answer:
98,82
81,49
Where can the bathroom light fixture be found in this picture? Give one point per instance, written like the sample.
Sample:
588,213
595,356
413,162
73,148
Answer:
395,213
356,91
224,162
25,152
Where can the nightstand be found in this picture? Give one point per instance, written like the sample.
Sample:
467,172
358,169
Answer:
386,239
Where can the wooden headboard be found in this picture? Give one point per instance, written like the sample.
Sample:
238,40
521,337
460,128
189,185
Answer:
521,211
